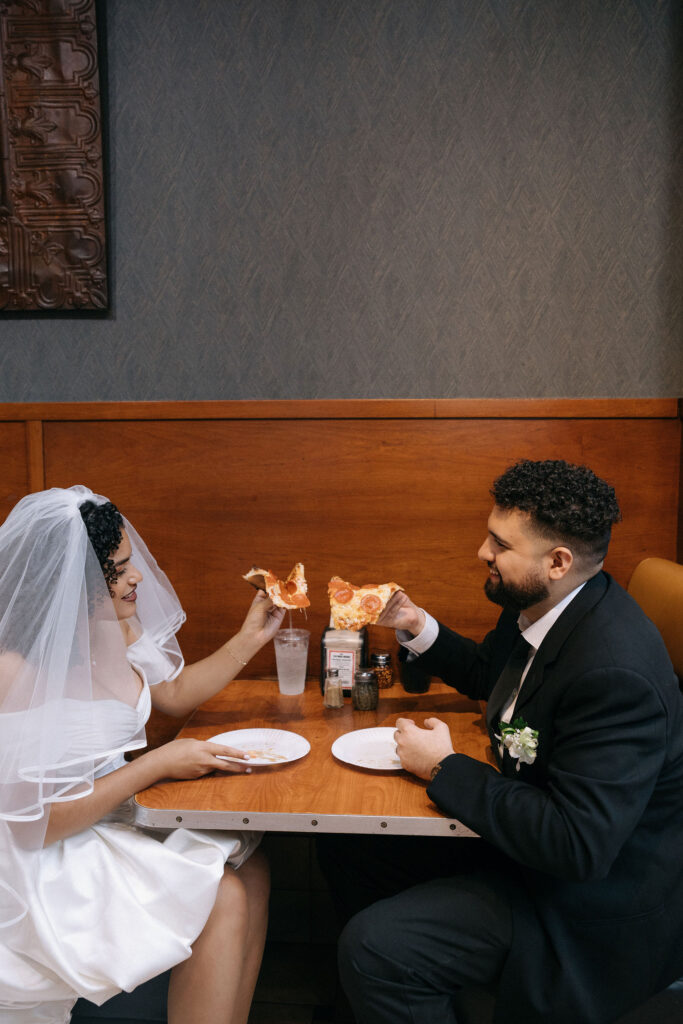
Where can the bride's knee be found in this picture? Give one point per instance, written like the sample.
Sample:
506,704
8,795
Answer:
230,912
244,889
255,876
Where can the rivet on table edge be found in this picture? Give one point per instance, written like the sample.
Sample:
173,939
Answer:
452,828
179,818
314,822
383,824
245,821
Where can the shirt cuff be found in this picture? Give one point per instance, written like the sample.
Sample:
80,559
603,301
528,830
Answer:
424,640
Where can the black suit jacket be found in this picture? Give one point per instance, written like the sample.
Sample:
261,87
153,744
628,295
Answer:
593,829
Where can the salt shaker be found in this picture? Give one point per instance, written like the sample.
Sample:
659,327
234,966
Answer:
333,696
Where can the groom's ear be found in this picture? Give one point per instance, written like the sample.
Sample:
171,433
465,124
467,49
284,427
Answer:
561,562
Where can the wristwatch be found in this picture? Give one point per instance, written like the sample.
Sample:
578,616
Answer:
435,771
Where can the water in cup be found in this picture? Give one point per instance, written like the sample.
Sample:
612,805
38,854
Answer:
291,657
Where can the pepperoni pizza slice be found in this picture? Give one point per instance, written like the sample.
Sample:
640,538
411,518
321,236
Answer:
290,593
354,607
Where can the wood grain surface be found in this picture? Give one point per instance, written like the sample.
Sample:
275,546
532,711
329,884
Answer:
350,408
14,459
315,792
370,501
369,490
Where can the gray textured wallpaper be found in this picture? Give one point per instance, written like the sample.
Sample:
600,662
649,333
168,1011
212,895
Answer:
382,198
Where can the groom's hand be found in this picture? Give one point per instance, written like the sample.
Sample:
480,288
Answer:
402,613
420,749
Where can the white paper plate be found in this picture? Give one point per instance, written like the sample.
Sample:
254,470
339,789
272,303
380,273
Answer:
265,746
368,748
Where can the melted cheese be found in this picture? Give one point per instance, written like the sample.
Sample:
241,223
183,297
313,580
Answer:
354,607
290,593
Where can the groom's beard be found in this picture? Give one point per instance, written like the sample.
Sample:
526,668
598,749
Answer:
516,596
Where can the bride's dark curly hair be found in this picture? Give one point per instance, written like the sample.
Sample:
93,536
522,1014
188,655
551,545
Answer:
103,524
566,502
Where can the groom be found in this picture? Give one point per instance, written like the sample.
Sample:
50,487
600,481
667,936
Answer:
571,902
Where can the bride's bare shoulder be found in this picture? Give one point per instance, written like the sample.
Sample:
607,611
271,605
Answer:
11,664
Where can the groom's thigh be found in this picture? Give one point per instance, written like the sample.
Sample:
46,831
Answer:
432,938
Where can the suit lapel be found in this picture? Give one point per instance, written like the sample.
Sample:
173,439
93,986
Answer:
557,635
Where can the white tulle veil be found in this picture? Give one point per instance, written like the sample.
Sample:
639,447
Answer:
67,691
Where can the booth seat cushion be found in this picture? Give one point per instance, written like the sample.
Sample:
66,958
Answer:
657,586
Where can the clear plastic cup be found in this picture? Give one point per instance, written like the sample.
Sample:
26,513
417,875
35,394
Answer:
291,658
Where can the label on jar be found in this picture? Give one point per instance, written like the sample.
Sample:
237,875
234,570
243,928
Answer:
345,662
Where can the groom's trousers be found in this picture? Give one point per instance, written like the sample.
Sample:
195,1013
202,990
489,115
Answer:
428,916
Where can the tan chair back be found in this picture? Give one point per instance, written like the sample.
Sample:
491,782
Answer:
657,586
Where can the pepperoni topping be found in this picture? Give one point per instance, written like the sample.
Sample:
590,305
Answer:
291,597
371,603
343,595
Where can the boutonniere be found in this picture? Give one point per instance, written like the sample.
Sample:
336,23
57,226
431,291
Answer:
520,739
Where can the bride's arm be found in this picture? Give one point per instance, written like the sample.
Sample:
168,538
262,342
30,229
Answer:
197,682
179,759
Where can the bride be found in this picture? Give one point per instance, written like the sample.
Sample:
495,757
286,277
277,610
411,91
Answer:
90,904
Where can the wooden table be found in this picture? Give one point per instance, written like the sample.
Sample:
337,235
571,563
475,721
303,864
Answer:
316,793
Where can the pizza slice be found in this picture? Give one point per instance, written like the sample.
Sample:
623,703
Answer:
290,593
354,607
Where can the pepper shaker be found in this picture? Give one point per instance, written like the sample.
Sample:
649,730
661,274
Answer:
364,694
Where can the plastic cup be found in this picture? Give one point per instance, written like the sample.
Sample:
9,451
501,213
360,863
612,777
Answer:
291,658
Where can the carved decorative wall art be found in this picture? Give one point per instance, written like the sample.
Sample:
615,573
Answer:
52,225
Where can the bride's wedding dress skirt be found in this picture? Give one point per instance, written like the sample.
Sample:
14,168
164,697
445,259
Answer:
112,907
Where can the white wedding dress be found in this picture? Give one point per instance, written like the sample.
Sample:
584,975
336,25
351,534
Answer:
113,905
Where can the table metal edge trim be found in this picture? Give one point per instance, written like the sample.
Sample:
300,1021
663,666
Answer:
364,824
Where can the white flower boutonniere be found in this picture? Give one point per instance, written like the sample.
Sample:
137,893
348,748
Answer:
520,739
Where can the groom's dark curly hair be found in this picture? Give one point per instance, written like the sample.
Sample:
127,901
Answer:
104,524
565,502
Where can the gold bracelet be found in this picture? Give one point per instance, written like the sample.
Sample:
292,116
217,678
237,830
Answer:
234,656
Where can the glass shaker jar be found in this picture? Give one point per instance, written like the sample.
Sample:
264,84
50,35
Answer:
364,694
381,664
333,696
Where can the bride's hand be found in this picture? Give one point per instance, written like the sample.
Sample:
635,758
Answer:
190,759
261,623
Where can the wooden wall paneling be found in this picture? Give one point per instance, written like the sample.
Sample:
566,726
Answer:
370,500
14,479
555,408
34,455
344,408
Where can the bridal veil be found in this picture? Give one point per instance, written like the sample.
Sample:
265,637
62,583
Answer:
66,688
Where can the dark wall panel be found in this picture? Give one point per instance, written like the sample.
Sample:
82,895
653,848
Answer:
394,198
